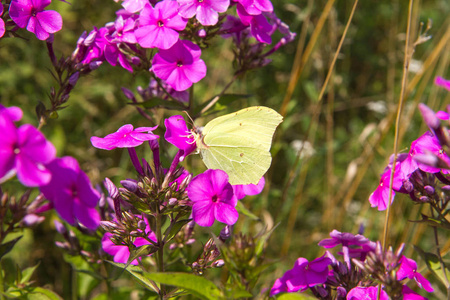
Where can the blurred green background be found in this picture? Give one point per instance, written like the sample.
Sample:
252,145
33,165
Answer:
348,144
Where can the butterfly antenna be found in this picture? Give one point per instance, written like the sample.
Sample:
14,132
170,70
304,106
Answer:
192,121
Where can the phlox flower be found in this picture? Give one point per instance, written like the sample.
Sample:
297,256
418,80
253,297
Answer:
303,275
206,11
2,23
125,137
180,65
133,6
259,26
213,198
159,26
380,197
31,14
242,190
408,269
442,82
71,193
428,143
343,238
121,253
178,134
23,151
122,30
366,293
255,7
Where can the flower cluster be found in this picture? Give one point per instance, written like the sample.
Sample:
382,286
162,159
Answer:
26,152
30,14
365,265
179,29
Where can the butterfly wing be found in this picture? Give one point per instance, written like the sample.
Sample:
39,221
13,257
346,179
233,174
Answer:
239,143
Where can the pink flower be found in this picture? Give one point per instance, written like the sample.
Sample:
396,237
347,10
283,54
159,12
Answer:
125,137
13,112
180,65
2,23
206,10
71,193
303,275
179,135
408,269
259,26
133,6
366,293
24,151
256,7
159,25
242,190
31,14
121,253
442,82
213,198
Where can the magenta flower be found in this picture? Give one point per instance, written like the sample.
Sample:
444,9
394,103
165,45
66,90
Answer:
259,26
180,66
133,6
242,190
303,275
125,137
344,238
380,197
158,26
24,151
426,144
442,82
408,269
31,14
121,253
206,11
122,30
409,294
13,112
366,293
256,7
71,193
179,135
213,198
2,23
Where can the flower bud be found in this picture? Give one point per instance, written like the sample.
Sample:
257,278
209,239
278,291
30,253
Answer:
111,188
429,189
60,227
218,263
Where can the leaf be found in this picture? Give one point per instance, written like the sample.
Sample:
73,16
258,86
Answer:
27,273
137,273
243,210
433,222
220,104
158,102
6,247
141,251
198,286
294,296
174,229
261,241
39,293
433,263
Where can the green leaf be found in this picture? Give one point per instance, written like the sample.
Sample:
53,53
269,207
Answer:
141,251
294,296
6,247
39,293
243,210
27,273
261,241
172,231
137,273
433,264
198,286
158,102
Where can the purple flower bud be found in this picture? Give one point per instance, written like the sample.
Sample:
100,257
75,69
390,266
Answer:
135,60
129,94
429,116
32,219
94,65
225,233
408,186
74,78
341,293
142,225
111,188
218,263
173,201
90,38
323,292
60,227
429,189
62,245
446,187
130,184
201,33
82,38
424,199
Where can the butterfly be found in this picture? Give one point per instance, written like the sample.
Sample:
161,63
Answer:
239,143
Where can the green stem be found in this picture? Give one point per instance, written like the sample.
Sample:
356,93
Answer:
160,252
2,290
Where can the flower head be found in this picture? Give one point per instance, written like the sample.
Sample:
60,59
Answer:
408,269
180,65
71,193
213,198
24,151
121,253
159,26
303,275
31,14
178,134
206,11
125,137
